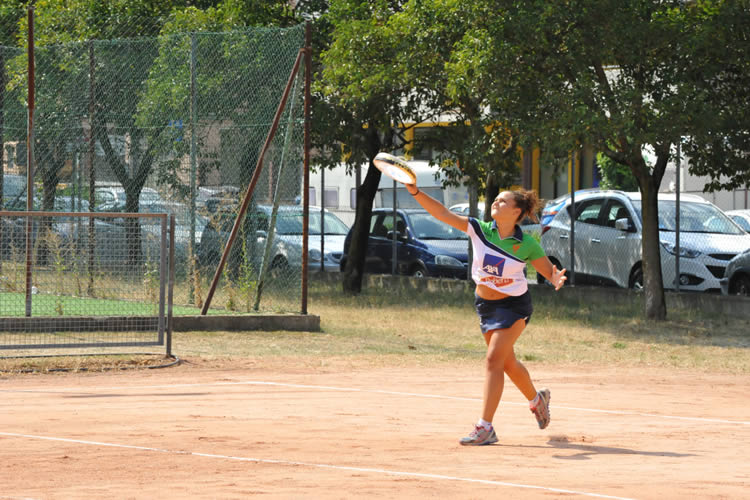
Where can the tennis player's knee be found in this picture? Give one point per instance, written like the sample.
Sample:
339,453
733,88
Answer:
496,359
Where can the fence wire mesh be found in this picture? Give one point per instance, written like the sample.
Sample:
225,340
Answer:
85,290
169,123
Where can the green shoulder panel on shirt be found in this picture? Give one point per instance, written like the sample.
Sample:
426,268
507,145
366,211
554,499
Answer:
535,250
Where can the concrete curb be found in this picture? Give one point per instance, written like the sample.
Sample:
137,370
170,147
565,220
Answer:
234,323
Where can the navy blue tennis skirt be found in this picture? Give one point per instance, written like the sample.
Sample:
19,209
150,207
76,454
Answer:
502,313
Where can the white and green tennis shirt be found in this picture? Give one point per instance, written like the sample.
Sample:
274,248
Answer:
498,263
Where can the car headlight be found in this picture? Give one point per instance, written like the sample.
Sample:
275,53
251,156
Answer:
684,251
447,260
314,255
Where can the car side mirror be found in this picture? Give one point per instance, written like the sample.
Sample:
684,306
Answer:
399,235
622,224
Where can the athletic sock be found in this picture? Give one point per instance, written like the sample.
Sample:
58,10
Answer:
534,402
487,425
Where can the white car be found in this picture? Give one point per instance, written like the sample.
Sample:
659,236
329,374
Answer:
607,237
741,217
463,209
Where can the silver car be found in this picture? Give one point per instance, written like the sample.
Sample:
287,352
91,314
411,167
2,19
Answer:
736,280
741,217
607,236
286,249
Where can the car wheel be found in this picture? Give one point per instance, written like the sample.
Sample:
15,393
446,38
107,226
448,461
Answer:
419,272
636,279
741,286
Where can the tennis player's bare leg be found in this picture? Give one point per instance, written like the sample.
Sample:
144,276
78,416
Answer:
499,351
519,375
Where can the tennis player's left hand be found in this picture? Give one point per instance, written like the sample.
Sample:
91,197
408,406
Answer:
558,277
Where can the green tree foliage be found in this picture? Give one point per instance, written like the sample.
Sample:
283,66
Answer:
362,92
621,76
446,38
615,175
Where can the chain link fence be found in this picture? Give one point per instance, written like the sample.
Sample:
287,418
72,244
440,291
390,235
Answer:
170,123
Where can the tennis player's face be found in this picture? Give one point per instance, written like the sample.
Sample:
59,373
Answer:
504,208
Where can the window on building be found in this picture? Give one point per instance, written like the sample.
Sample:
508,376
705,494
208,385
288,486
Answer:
331,198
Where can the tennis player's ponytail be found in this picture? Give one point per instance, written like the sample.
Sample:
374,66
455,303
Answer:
528,202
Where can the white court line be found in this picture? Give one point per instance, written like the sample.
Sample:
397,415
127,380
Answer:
380,391
439,477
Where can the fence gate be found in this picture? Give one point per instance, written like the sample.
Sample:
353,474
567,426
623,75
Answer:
83,282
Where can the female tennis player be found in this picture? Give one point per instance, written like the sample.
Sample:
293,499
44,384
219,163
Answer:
501,251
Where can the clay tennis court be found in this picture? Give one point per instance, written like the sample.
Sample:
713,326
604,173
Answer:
289,429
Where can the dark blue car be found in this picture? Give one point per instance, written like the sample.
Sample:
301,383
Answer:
424,245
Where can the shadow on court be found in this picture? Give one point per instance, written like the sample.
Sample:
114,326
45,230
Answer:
586,451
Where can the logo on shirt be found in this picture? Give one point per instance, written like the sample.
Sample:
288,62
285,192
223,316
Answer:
493,264
497,282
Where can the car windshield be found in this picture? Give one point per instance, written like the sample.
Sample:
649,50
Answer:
426,227
694,218
332,224
180,212
289,223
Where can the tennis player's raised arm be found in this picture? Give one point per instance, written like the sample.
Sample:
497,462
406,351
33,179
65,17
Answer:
437,209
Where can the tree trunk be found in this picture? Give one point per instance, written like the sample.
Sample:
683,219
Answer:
492,189
355,261
653,286
52,160
133,225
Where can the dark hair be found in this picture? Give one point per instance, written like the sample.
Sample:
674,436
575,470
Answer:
528,202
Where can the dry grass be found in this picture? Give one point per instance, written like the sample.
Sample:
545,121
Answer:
395,328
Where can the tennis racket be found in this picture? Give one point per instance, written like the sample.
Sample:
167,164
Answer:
395,167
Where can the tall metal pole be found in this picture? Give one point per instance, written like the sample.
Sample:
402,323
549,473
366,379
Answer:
677,221
306,163
572,279
193,165
92,169
322,218
29,159
394,243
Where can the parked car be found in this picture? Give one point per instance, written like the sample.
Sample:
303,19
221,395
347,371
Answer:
14,192
286,250
424,245
741,217
736,280
463,209
152,227
111,198
552,207
71,204
14,228
608,227
208,197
